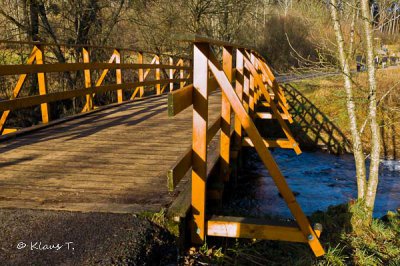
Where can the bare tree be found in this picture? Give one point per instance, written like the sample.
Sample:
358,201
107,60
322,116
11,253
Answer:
366,186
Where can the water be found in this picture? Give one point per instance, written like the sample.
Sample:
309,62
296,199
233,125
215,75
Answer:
318,180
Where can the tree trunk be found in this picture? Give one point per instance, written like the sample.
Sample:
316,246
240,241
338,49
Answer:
374,125
351,108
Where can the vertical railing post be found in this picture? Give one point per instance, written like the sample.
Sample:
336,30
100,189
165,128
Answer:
225,117
251,92
158,85
118,73
254,62
199,145
141,74
239,92
44,107
182,75
246,88
171,73
88,81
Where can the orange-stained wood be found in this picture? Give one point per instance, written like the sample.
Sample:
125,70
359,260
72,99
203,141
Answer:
239,76
239,227
225,142
266,156
184,163
141,74
44,107
273,106
118,73
199,154
88,81
171,74
270,143
267,115
17,89
158,75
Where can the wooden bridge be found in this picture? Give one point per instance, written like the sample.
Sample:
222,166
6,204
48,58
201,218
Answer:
129,156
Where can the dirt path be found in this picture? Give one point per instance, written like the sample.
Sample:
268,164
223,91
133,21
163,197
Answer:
82,239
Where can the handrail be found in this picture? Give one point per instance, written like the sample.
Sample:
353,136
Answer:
62,67
158,74
89,46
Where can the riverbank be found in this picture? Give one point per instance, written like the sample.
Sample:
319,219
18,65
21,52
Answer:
328,95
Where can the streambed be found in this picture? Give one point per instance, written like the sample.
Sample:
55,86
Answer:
318,180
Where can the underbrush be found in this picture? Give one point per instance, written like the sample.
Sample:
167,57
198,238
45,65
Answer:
377,244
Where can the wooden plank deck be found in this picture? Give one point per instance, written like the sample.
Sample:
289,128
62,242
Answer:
114,160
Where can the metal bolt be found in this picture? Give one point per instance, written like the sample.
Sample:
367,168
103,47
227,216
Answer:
310,237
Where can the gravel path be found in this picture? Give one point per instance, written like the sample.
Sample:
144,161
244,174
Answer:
35,237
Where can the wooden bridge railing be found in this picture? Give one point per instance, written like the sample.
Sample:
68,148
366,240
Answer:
246,82
164,73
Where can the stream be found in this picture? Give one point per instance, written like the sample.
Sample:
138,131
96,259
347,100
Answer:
318,180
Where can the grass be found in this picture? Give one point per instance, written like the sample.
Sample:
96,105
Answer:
160,218
328,95
378,244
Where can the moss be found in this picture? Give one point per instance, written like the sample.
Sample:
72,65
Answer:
160,218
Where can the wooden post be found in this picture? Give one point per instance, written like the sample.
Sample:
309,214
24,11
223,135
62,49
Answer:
182,75
239,92
17,89
225,118
44,107
118,74
141,74
158,85
171,74
88,81
266,156
246,88
251,92
199,146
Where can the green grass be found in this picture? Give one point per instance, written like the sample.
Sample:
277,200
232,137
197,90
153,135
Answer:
377,244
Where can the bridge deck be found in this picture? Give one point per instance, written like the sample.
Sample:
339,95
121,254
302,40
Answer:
114,160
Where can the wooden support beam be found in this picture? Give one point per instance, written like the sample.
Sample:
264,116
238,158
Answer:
270,143
225,143
181,99
199,154
17,89
239,77
238,227
182,75
184,163
265,104
118,73
100,80
267,115
88,80
273,106
65,67
44,107
23,102
266,156
158,76
171,74
141,74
